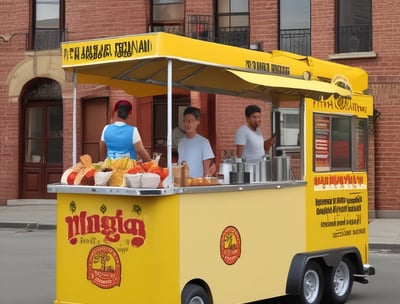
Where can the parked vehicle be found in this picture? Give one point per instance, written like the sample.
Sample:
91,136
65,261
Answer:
303,234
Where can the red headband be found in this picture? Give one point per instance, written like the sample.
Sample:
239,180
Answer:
122,102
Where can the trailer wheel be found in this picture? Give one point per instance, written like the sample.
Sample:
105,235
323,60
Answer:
194,294
312,284
339,282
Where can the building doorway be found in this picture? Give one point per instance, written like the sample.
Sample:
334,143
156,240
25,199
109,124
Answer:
94,118
42,138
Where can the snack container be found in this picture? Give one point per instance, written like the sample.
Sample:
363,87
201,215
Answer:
102,178
150,180
133,180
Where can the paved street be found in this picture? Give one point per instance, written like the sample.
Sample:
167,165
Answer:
28,271
27,266
27,251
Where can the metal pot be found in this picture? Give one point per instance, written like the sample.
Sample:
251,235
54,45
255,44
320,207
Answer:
254,174
281,168
239,177
238,167
224,169
265,170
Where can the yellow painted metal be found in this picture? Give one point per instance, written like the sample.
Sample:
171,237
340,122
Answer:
148,272
359,105
301,87
271,224
138,65
336,201
229,240
182,242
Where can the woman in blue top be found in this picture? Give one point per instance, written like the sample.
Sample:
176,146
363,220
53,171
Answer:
120,139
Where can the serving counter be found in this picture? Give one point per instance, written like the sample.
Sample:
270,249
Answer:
125,245
58,188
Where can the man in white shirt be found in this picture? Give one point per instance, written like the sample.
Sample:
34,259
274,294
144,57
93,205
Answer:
249,140
195,149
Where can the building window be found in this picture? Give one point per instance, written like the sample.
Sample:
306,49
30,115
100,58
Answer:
48,24
200,27
287,127
168,16
294,26
232,22
354,33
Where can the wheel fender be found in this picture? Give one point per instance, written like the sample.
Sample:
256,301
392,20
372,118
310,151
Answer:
331,258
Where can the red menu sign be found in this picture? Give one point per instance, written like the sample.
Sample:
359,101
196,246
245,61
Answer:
321,142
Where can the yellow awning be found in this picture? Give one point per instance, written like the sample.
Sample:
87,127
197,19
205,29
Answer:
273,84
153,63
138,65
149,78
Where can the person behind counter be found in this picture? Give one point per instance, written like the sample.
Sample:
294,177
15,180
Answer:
194,148
120,139
249,140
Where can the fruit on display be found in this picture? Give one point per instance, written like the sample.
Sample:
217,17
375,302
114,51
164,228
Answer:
110,172
81,173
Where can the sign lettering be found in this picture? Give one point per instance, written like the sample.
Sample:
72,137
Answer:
110,226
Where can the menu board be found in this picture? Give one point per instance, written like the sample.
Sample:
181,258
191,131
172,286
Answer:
321,143
361,143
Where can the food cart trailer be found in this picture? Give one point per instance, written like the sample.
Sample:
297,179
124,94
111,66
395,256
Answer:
226,243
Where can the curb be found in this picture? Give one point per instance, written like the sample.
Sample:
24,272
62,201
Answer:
27,226
385,247
30,202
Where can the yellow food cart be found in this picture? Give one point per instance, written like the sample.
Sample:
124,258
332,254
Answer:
226,243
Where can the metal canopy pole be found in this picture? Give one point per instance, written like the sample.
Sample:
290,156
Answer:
74,79
169,123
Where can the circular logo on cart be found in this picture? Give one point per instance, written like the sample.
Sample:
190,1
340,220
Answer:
230,245
104,267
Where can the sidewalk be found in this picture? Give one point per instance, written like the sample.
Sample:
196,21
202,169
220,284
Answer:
28,214
384,234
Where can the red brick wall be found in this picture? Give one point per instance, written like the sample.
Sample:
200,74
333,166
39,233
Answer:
384,81
264,24
385,85
230,116
94,19
11,53
195,7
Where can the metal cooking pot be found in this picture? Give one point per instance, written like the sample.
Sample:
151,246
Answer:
265,169
239,177
281,168
238,167
253,168
224,169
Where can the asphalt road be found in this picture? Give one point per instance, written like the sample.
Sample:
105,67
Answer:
27,266
27,271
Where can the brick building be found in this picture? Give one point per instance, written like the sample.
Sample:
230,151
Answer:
36,95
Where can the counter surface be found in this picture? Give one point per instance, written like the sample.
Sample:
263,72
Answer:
58,188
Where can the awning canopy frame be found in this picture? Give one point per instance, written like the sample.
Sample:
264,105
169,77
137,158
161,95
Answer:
155,63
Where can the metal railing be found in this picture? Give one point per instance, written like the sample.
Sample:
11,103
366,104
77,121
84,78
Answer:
235,35
200,27
356,38
296,41
45,39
